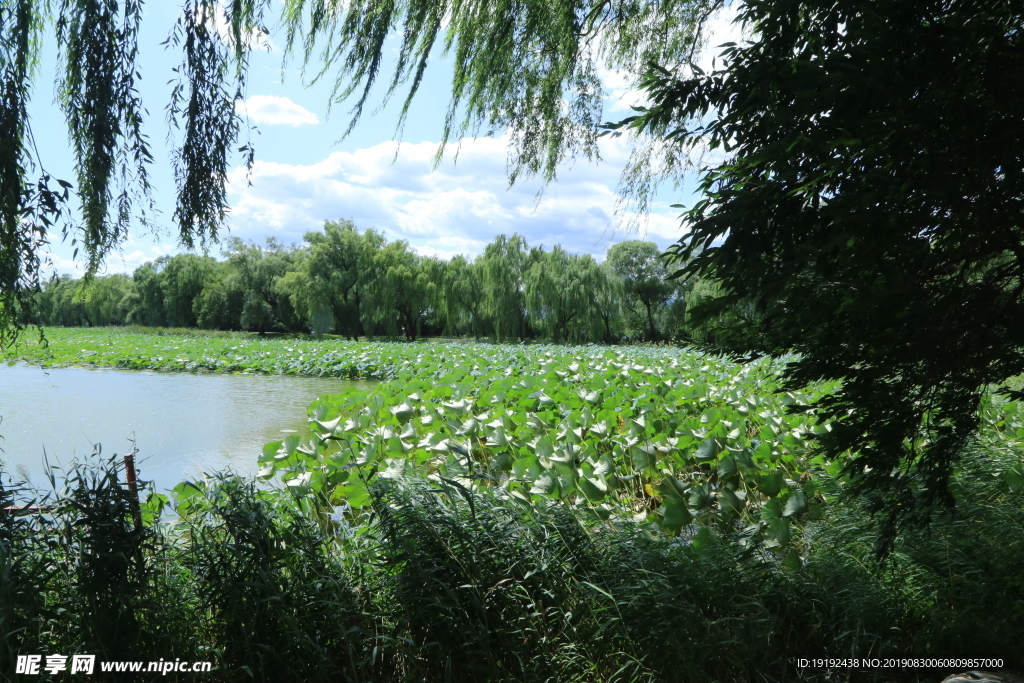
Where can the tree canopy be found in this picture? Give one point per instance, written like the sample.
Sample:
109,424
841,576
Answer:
869,207
862,207
357,284
863,204
645,280
96,87
529,68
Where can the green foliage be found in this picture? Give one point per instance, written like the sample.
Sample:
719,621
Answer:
149,287
97,89
183,279
504,263
99,301
219,305
451,525
335,276
278,605
530,68
109,570
443,584
28,210
99,44
203,105
865,207
402,289
357,284
99,583
561,291
665,435
206,351
645,284
25,571
266,305
462,306
607,302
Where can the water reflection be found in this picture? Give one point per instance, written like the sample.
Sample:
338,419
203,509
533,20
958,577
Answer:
183,424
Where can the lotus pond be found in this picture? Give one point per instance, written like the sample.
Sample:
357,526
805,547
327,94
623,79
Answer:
666,436
434,527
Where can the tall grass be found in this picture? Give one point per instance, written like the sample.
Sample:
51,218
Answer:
81,577
436,584
279,605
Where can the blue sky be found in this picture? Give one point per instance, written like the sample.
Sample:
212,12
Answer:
304,175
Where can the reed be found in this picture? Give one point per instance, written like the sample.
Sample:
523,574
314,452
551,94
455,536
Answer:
431,582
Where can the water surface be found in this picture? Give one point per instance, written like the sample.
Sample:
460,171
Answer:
183,424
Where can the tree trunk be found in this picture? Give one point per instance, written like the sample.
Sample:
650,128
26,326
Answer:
652,334
410,325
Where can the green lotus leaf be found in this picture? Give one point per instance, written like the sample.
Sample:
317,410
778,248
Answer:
545,485
403,412
708,449
796,502
771,483
675,514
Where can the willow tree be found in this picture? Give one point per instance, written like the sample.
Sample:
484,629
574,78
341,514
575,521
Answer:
461,302
401,291
97,89
184,278
559,295
607,299
267,305
530,68
335,276
504,262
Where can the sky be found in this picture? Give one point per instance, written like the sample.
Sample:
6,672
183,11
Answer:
305,174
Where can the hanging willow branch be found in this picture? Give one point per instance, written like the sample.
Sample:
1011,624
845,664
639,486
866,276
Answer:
211,80
529,67
98,92
27,209
99,44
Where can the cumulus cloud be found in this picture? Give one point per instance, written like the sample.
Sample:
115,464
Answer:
277,111
457,208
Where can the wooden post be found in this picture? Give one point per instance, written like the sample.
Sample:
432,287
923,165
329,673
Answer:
129,472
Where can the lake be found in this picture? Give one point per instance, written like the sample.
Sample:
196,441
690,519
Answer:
183,424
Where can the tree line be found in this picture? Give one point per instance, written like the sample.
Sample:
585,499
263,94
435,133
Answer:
355,283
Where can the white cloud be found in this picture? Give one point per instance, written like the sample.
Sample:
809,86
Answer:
277,111
458,208
60,264
254,39
721,28
133,253
621,96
